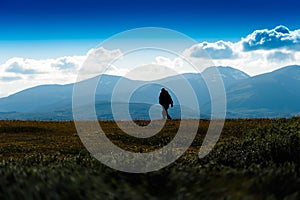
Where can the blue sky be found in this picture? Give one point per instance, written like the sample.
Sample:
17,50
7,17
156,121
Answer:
89,21
55,29
94,19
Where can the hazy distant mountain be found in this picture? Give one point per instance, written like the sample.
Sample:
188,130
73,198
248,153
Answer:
36,99
273,94
229,75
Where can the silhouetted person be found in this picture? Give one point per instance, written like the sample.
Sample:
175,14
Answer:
165,100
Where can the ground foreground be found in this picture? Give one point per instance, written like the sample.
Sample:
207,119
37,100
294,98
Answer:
253,159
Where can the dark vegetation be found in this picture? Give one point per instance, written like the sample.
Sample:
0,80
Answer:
253,159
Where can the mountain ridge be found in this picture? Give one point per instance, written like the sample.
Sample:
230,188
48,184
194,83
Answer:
272,94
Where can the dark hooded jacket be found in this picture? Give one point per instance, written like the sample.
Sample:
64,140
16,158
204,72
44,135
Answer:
165,99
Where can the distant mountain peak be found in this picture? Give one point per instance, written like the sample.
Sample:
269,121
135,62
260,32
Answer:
229,75
288,68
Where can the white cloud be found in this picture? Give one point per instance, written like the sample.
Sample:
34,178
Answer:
177,65
9,78
260,61
20,73
100,61
215,50
23,66
66,63
151,72
260,52
19,68
161,67
279,37
17,74
281,56
173,63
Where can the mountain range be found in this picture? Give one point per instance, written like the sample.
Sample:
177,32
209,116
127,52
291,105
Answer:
269,95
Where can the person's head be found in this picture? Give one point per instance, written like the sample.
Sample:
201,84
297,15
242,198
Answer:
163,90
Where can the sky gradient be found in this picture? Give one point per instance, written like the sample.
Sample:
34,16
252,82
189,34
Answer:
94,19
52,37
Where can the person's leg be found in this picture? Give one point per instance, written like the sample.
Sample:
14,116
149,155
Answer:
168,116
166,107
164,112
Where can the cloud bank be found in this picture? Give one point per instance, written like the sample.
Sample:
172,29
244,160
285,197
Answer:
258,52
17,73
278,38
217,50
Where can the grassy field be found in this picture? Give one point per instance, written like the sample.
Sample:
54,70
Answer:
253,159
